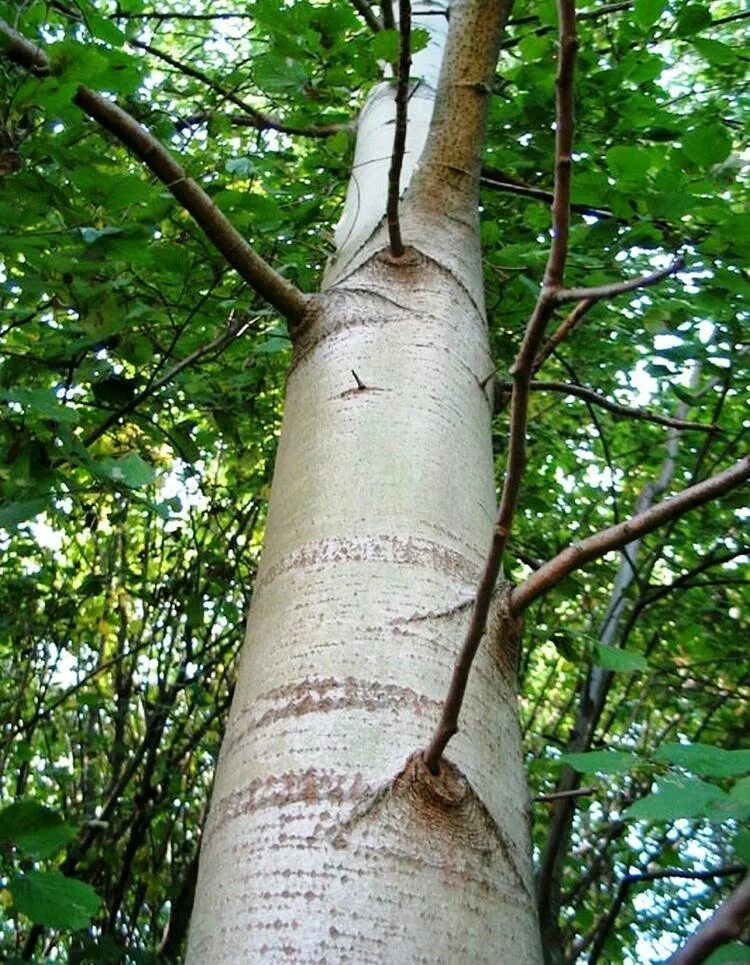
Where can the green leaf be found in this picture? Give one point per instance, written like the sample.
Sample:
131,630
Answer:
629,163
18,512
714,51
385,45
691,18
620,661
34,829
130,470
104,29
677,798
420,38
647,12
741,844
194,611
734,954
741,790
707,145
239,165
51,899
704,759
42,401
604,762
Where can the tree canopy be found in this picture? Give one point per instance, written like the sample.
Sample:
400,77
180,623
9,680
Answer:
142,384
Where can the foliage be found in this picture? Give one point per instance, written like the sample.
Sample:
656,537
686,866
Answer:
132,505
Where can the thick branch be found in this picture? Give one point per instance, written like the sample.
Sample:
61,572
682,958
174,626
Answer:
564,130
249,265
451,160
627,411
399,136
575,556
22,51
725,925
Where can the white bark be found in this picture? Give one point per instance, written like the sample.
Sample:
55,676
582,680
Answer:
325,843
368,185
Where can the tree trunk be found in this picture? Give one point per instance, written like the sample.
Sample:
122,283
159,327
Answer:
328,839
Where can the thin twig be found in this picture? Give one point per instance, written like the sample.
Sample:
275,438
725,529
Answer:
490,179
556,795
601,292
399,136
615,537
630,412
235,330
522,370
254,118
564,329
256,271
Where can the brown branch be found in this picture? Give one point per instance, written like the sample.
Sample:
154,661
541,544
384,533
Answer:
556,795
725,925
489,179
234,330
364,9
601,292
254,118
615,537
564,329
630,412
23,52
386,12
279,292
629,880
399,136
522,370
282,294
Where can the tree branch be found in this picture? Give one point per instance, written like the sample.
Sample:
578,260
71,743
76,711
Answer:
254,118
499,181
556,795
601,292
234,330
23,52
282,294
522,370
399,136
564,329
627,411
386,11
364,9
629,880
615,537
272,286
723,926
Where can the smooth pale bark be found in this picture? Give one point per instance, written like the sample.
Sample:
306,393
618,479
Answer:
328,840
